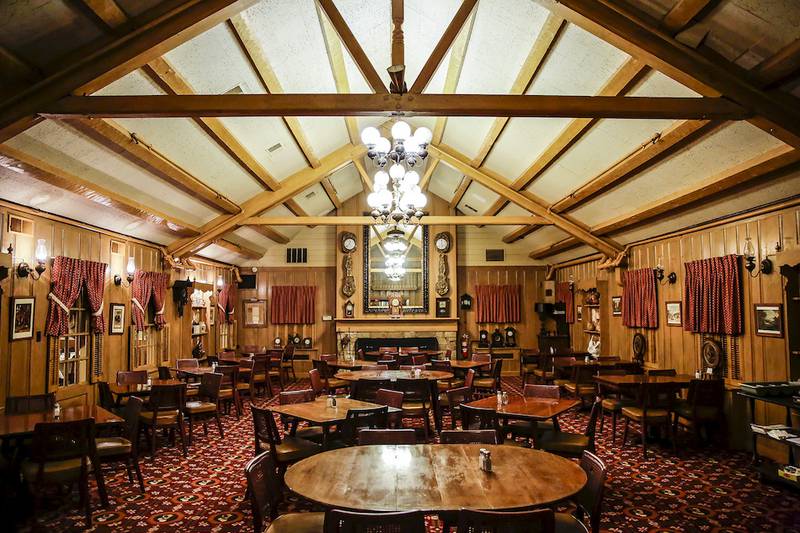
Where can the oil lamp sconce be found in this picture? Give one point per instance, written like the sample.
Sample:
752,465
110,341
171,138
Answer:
749,253
672,277
130,269
24,269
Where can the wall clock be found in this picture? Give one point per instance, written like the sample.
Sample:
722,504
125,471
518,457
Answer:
349,308
466,301
443,242
349,243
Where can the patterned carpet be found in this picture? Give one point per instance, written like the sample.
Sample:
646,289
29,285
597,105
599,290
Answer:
699,490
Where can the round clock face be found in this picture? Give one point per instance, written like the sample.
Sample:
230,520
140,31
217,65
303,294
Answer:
441,244
349,244
395,301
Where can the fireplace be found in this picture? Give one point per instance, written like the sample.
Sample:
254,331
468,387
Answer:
372,333
373,344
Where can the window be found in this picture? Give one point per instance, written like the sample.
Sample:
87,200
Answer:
73,351
149,348
227,334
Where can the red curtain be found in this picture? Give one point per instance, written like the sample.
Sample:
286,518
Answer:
712,296
497,304
639,303
67,279
95,284
564,294
222,303
232,305
292,304
141,290
159,282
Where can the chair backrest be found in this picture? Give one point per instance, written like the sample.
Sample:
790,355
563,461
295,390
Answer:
265,428
167,398
264,488
469,378
296,396
482,357
288,353
164,372
386,436
441,365
230,375
367,389
373,418
542,391
387,349
59,441
459,395
36,403
247,364
591,426
322,366
260,362
375,367
497,369
478,417
210,384
590,498
468,436
538,521
657,395
133,408
316,381
419,360
706,393
584,375
390,398
669,372
131,377
105,398
183,364
328,357
337,521
415,389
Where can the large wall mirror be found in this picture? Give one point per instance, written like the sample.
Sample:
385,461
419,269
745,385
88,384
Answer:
381,285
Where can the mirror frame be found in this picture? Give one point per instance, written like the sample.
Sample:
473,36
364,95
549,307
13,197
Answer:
425,283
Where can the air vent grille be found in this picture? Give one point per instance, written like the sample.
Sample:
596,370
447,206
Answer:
495,255
471,208
297,255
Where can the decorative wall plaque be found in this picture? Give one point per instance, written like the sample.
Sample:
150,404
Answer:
442,243
349,282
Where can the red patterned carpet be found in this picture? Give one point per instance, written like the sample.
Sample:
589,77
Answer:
699,490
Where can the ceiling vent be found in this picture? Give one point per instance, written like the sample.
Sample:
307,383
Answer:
297,255
236,90
274,148
495,255
312,194
471,208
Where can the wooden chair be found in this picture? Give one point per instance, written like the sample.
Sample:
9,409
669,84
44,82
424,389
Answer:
165,411
274,369
480,418
131,377
187,364
391,398
266,492
62,453
528,429
105,397
563,370
571,444
704,405
367,389
260,378
492,383
416,401
669,372
468,436
386,436
544,372
312,433
206,406
654,409
245,384
583,385
35,403
356,420
375,367
612,401
332,384
229,391
317,385
337,521
287,362
164,372
124,448
452,401
418,360
284,451
538,521
445,384
527,364
588,501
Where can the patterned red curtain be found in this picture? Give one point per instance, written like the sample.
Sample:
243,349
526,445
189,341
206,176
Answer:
159,283
222,303
712,296
141,290
564,294
95,284
497,304
232,304
639,303
292,304
67,278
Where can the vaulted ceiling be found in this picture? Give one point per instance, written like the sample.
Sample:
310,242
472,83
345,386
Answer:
192,179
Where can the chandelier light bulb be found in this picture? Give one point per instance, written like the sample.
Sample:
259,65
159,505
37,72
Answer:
397,171
372,200
412,146
381,178
412,178
383,146
370,136
423,136
401,131
384,198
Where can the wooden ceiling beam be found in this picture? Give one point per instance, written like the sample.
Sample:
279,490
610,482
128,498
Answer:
330,191
244,251
390,105
428,220
461,190
271,234
116,57
397,70
780,67
461,163
449,36
366,181
351,43
682,14
108,12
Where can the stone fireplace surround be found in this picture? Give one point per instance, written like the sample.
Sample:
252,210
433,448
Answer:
445,340
371,344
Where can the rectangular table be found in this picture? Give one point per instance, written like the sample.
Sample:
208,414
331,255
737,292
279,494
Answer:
138,389
635,380
23,424
532,409
319,413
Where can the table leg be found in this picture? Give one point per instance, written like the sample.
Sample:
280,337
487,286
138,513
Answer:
437,414
753,435
325,429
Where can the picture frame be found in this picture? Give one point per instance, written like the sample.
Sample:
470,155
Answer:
579,313
768,320
212,313
442,307
674,313
22,318
616,306
254,313
116,319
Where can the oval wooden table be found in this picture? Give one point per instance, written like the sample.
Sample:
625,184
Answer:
434,478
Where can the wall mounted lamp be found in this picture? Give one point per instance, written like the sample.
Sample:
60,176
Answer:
24,269
130,269
220,283
749,253
672,277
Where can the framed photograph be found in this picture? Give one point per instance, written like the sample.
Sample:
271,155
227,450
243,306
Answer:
255,313
442,307
616,306
212,312
674,317
22,318
579,313
769,320
116,320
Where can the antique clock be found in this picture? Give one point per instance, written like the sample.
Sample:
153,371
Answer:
349,309
443,242
348,242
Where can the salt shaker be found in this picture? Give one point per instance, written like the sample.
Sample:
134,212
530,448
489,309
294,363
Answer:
697,374
417,373
149,381
330,400
499,398
57,411
505,398
485,460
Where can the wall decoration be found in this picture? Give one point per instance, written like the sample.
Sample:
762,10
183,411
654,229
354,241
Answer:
307,343
511,336
255,313
349,281
442,307
22,318
579,313
442,243
466,301
116,322
674,316
616,306
211,315
349,309
296,339
769,320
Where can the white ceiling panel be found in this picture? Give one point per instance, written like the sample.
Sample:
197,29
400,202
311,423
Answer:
738,141
466,134
444,181
133,84
545,236
324,134
247,234
217,253
580,251
370,22
659,85
477,197
424,24
314,200
347,182
521,143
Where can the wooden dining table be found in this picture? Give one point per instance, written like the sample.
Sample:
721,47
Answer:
353,364
395,353
321,414
535,409
22,425
631,381
434,478
138,389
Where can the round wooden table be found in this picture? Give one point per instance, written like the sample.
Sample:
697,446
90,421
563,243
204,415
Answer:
434,478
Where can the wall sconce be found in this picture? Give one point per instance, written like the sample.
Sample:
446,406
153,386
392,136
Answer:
571,282
130,269
749,253
24,269
220,283
672,277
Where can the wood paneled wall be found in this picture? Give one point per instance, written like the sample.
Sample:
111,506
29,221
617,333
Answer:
322,333
529,278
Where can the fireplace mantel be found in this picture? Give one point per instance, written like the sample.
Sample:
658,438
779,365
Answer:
401,323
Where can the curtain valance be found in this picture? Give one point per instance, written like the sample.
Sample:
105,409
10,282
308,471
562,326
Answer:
565,295
69,276
497,304
293,304
148,285
639,302
712,296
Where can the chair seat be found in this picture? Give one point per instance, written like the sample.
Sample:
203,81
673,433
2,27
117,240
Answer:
243,386
566,523
336,383
444,385
298,523
539,373
292,449
563,442
484,383
312,433
194,408
259,378
192,392
54,471
287,364
412,408
530,367
109,446
562,382
225,393
704,412
583,389
616,404
637,413
164,417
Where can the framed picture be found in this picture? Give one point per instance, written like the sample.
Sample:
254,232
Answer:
116,320
442,307
212,312
255,313
579,313
674,317
616,306
769,320
22,318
